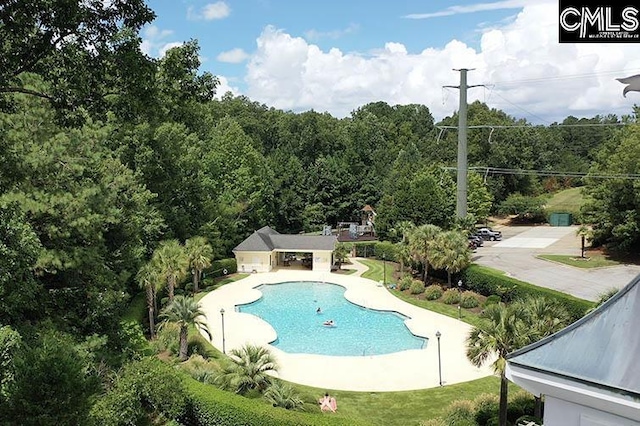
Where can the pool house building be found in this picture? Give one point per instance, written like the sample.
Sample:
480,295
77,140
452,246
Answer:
267,249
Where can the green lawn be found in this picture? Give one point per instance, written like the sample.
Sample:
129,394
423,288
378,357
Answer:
377,269
597,261
568,200
401,408
375,273
441,308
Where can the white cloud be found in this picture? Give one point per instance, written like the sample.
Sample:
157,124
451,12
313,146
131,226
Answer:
224,87
532,75
314,35
155,43
233,56
471,8
210,12
163,50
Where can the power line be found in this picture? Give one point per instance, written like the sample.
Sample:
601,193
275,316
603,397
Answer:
550,173
563,77
529,126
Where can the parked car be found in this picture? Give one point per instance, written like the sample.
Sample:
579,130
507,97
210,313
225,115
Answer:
489,234
476,239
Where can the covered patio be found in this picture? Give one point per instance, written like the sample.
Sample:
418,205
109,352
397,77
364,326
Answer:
267,250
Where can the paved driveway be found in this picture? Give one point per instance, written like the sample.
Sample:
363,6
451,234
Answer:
516,255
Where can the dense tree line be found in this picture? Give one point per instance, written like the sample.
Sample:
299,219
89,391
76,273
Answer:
106,155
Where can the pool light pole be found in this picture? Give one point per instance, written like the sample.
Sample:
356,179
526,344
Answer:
222,316
438,334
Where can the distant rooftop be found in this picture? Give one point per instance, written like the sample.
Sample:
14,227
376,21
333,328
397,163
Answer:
601,349
268,239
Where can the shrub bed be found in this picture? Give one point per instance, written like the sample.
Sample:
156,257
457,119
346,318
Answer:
405,283
488,281
209,406
492,300
451,296
469,300
417,287
433,292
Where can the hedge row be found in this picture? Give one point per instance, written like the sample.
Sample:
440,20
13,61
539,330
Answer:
211,406
365,249
218,266
488,281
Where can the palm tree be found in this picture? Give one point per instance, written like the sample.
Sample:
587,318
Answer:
248,369
583,232
543,317
403,254
281,395
148,279
503,332
341,252
185,311
200,254
404,228
603,297
172,262
450,251
420,241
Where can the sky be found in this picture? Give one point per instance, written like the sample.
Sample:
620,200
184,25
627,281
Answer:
336,56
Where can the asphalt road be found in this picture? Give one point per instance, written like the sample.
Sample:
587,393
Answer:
519,261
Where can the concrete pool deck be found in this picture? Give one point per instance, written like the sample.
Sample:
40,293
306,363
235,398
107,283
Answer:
407,370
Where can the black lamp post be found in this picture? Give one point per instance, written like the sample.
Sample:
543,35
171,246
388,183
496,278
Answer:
460,292
222,315
438,334
384,269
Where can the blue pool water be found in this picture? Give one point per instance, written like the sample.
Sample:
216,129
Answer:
290,308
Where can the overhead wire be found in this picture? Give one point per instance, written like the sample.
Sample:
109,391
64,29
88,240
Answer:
549,173
564,77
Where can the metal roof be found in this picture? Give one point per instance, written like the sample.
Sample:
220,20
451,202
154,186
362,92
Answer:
600,349
268,239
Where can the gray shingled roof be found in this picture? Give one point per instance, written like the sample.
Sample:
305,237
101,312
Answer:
601,349
268,239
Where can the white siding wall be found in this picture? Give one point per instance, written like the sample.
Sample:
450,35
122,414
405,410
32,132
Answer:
558,412
322,261
254,261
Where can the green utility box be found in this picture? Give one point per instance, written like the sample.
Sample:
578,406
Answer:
560,219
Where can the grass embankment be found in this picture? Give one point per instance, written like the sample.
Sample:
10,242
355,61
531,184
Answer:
377,269
402,408
597,261
566,201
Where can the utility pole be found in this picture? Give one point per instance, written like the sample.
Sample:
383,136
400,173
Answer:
461,192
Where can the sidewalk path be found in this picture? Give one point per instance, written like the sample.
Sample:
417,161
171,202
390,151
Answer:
359,267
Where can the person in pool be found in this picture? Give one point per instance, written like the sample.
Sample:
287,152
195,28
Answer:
318,311
328,323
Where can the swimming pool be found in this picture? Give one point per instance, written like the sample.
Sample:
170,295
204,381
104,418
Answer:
291,307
